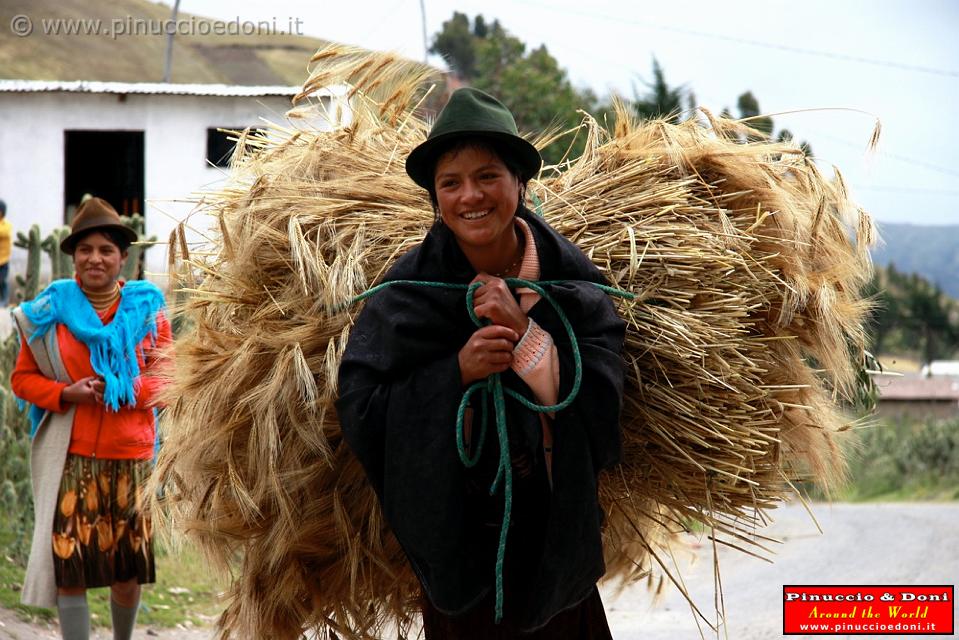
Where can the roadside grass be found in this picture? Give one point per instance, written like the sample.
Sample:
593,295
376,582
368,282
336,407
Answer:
905,494
11,580
185,593
902,460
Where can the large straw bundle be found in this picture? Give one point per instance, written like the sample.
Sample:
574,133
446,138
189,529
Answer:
740,340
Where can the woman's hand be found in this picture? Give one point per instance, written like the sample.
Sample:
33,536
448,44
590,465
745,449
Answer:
99,386
495,301
84,391
489,350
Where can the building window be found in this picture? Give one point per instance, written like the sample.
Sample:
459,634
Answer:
220,145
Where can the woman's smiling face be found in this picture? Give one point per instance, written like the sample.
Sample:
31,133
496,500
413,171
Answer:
98,261
477,197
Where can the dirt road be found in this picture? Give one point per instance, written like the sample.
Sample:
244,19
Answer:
881,544
878,544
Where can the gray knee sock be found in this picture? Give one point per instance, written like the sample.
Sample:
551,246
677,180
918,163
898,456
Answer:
74,617
124,620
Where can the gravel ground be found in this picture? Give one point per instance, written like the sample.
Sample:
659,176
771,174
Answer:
870,544
12,628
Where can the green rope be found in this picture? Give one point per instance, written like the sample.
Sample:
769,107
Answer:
537,203
493,385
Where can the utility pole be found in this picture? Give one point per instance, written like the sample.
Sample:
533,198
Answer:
423,18
168,67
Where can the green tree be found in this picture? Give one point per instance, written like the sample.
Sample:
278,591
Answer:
884,316
785,135
749,108
912,316
479,27
532,83
662,101
455,42
928,314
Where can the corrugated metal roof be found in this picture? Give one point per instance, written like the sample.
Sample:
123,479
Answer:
912,387
87,86
942,368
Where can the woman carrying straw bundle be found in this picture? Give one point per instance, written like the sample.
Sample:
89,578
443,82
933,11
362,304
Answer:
521,561
90,352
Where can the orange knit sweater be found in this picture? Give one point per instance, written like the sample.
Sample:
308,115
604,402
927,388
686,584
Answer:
98,432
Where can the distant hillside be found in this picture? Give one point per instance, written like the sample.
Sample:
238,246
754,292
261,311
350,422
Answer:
932,252
229,59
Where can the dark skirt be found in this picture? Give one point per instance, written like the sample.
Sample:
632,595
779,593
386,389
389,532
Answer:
585,621
100,536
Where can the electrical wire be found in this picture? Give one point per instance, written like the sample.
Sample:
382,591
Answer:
833,55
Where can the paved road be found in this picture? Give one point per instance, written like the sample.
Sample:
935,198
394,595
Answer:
907,544
879,544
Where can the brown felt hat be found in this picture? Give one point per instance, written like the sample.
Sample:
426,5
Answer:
95,214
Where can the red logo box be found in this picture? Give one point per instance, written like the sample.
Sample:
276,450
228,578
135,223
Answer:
868,610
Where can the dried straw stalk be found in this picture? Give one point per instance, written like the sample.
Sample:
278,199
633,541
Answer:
740,342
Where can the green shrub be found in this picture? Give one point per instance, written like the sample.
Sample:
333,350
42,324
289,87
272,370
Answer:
16,500
905,459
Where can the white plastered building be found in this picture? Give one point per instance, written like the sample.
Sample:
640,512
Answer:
148,148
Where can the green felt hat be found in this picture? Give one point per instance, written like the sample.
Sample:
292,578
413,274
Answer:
470,113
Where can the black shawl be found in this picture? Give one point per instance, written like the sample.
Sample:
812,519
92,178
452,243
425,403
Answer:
399,388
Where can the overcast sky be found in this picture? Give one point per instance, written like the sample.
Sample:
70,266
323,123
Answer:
897,59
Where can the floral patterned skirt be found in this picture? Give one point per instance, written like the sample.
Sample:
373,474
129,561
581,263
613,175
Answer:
100,536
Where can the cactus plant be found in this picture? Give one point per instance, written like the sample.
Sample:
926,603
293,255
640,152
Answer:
15,493
61,264
131,270
29,285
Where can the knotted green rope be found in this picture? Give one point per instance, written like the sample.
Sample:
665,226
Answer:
494,385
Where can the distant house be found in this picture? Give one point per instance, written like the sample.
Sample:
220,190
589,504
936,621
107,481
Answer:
85,111
144,147
914,396
941,368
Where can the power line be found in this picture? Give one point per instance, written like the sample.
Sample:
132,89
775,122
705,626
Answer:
894,156
818,133
905,159
920,163
647,24
426,45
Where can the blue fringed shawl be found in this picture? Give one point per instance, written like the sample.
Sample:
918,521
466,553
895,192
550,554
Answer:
114,347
